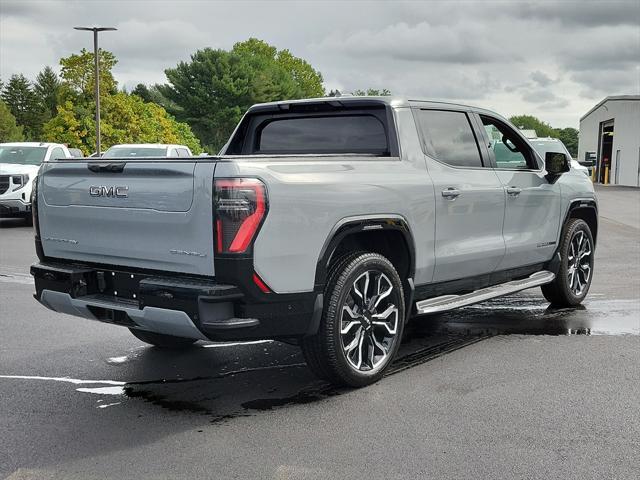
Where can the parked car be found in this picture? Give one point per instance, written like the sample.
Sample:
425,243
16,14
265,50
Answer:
19,164
147,150
76,153
326,223
549,144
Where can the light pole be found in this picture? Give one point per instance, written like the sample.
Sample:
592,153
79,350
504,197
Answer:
96,89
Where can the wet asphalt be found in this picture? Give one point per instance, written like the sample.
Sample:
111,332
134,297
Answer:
505,389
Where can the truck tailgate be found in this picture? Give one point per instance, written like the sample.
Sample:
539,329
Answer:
137,214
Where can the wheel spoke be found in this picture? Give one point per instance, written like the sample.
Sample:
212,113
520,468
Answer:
391,309
355,320
385,294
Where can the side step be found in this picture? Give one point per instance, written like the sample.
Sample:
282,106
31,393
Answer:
450,302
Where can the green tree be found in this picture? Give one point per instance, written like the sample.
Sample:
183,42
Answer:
214,89
78,75
23,103
372,92
125,119
47,88
569,136
529,122
9,130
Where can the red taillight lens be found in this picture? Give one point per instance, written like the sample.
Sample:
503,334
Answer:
240,205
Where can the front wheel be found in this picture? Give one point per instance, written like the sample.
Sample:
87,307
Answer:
161,340
573,279
361,324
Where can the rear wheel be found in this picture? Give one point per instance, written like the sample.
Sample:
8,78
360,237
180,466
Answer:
161,340
361,324
573,279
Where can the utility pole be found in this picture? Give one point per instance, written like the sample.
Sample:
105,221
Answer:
96,88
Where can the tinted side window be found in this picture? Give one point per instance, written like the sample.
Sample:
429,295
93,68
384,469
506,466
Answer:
509,150
329,134
450,138
182,152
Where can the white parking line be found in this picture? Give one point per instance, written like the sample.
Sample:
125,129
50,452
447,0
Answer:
75,381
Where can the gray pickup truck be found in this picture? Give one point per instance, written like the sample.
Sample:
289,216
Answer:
327,223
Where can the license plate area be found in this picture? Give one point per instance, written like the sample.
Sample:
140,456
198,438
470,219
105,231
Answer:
121,285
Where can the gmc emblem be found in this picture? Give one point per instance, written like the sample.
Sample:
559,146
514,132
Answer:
103,191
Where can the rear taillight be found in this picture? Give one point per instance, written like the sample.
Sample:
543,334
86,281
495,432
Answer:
240,206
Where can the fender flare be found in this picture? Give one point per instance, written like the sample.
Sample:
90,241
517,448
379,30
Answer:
356,224
580,203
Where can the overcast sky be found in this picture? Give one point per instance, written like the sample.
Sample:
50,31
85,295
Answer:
552,59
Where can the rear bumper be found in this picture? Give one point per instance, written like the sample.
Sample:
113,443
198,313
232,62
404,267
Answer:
14,208
173,305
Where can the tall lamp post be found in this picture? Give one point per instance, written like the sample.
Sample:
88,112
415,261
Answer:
95,31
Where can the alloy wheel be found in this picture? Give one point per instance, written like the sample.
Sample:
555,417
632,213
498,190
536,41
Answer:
579,263
369,321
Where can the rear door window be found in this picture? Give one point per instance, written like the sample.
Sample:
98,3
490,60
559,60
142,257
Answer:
322,134
449,138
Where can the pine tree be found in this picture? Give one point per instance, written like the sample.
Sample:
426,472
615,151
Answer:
47,88
23,104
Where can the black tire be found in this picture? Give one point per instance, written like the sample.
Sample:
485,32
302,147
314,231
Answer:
326,354
162,341
310,347
572,283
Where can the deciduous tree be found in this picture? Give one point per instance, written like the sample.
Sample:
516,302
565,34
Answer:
9,130
214,89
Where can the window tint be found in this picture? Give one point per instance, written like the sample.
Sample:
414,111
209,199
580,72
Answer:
329,134
183,152
509,149
450,138
57,153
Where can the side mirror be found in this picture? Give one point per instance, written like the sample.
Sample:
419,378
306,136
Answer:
556,163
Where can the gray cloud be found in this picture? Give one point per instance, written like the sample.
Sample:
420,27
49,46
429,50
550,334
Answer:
551,59
541,78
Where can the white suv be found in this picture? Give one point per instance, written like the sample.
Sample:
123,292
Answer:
19,164
135,150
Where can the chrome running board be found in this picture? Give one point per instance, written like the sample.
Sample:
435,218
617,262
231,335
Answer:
450,302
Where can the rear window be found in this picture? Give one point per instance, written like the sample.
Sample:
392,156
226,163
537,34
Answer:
329,134
321,128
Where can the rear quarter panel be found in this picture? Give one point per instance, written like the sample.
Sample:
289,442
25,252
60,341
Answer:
309,196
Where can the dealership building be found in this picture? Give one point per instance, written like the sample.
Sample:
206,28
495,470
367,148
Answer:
610,140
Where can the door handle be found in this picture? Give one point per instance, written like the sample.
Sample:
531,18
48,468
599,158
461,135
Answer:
514,191
450,193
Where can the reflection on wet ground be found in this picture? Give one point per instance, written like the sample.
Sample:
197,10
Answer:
224,381
286,379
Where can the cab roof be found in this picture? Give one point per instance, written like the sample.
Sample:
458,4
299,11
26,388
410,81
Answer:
31,144
147,145
391,100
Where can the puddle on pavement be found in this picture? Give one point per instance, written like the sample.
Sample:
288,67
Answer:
528,315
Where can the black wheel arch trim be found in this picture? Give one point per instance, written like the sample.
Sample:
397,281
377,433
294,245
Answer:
580,203
358,224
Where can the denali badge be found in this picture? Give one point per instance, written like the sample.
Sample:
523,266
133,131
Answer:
102,191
